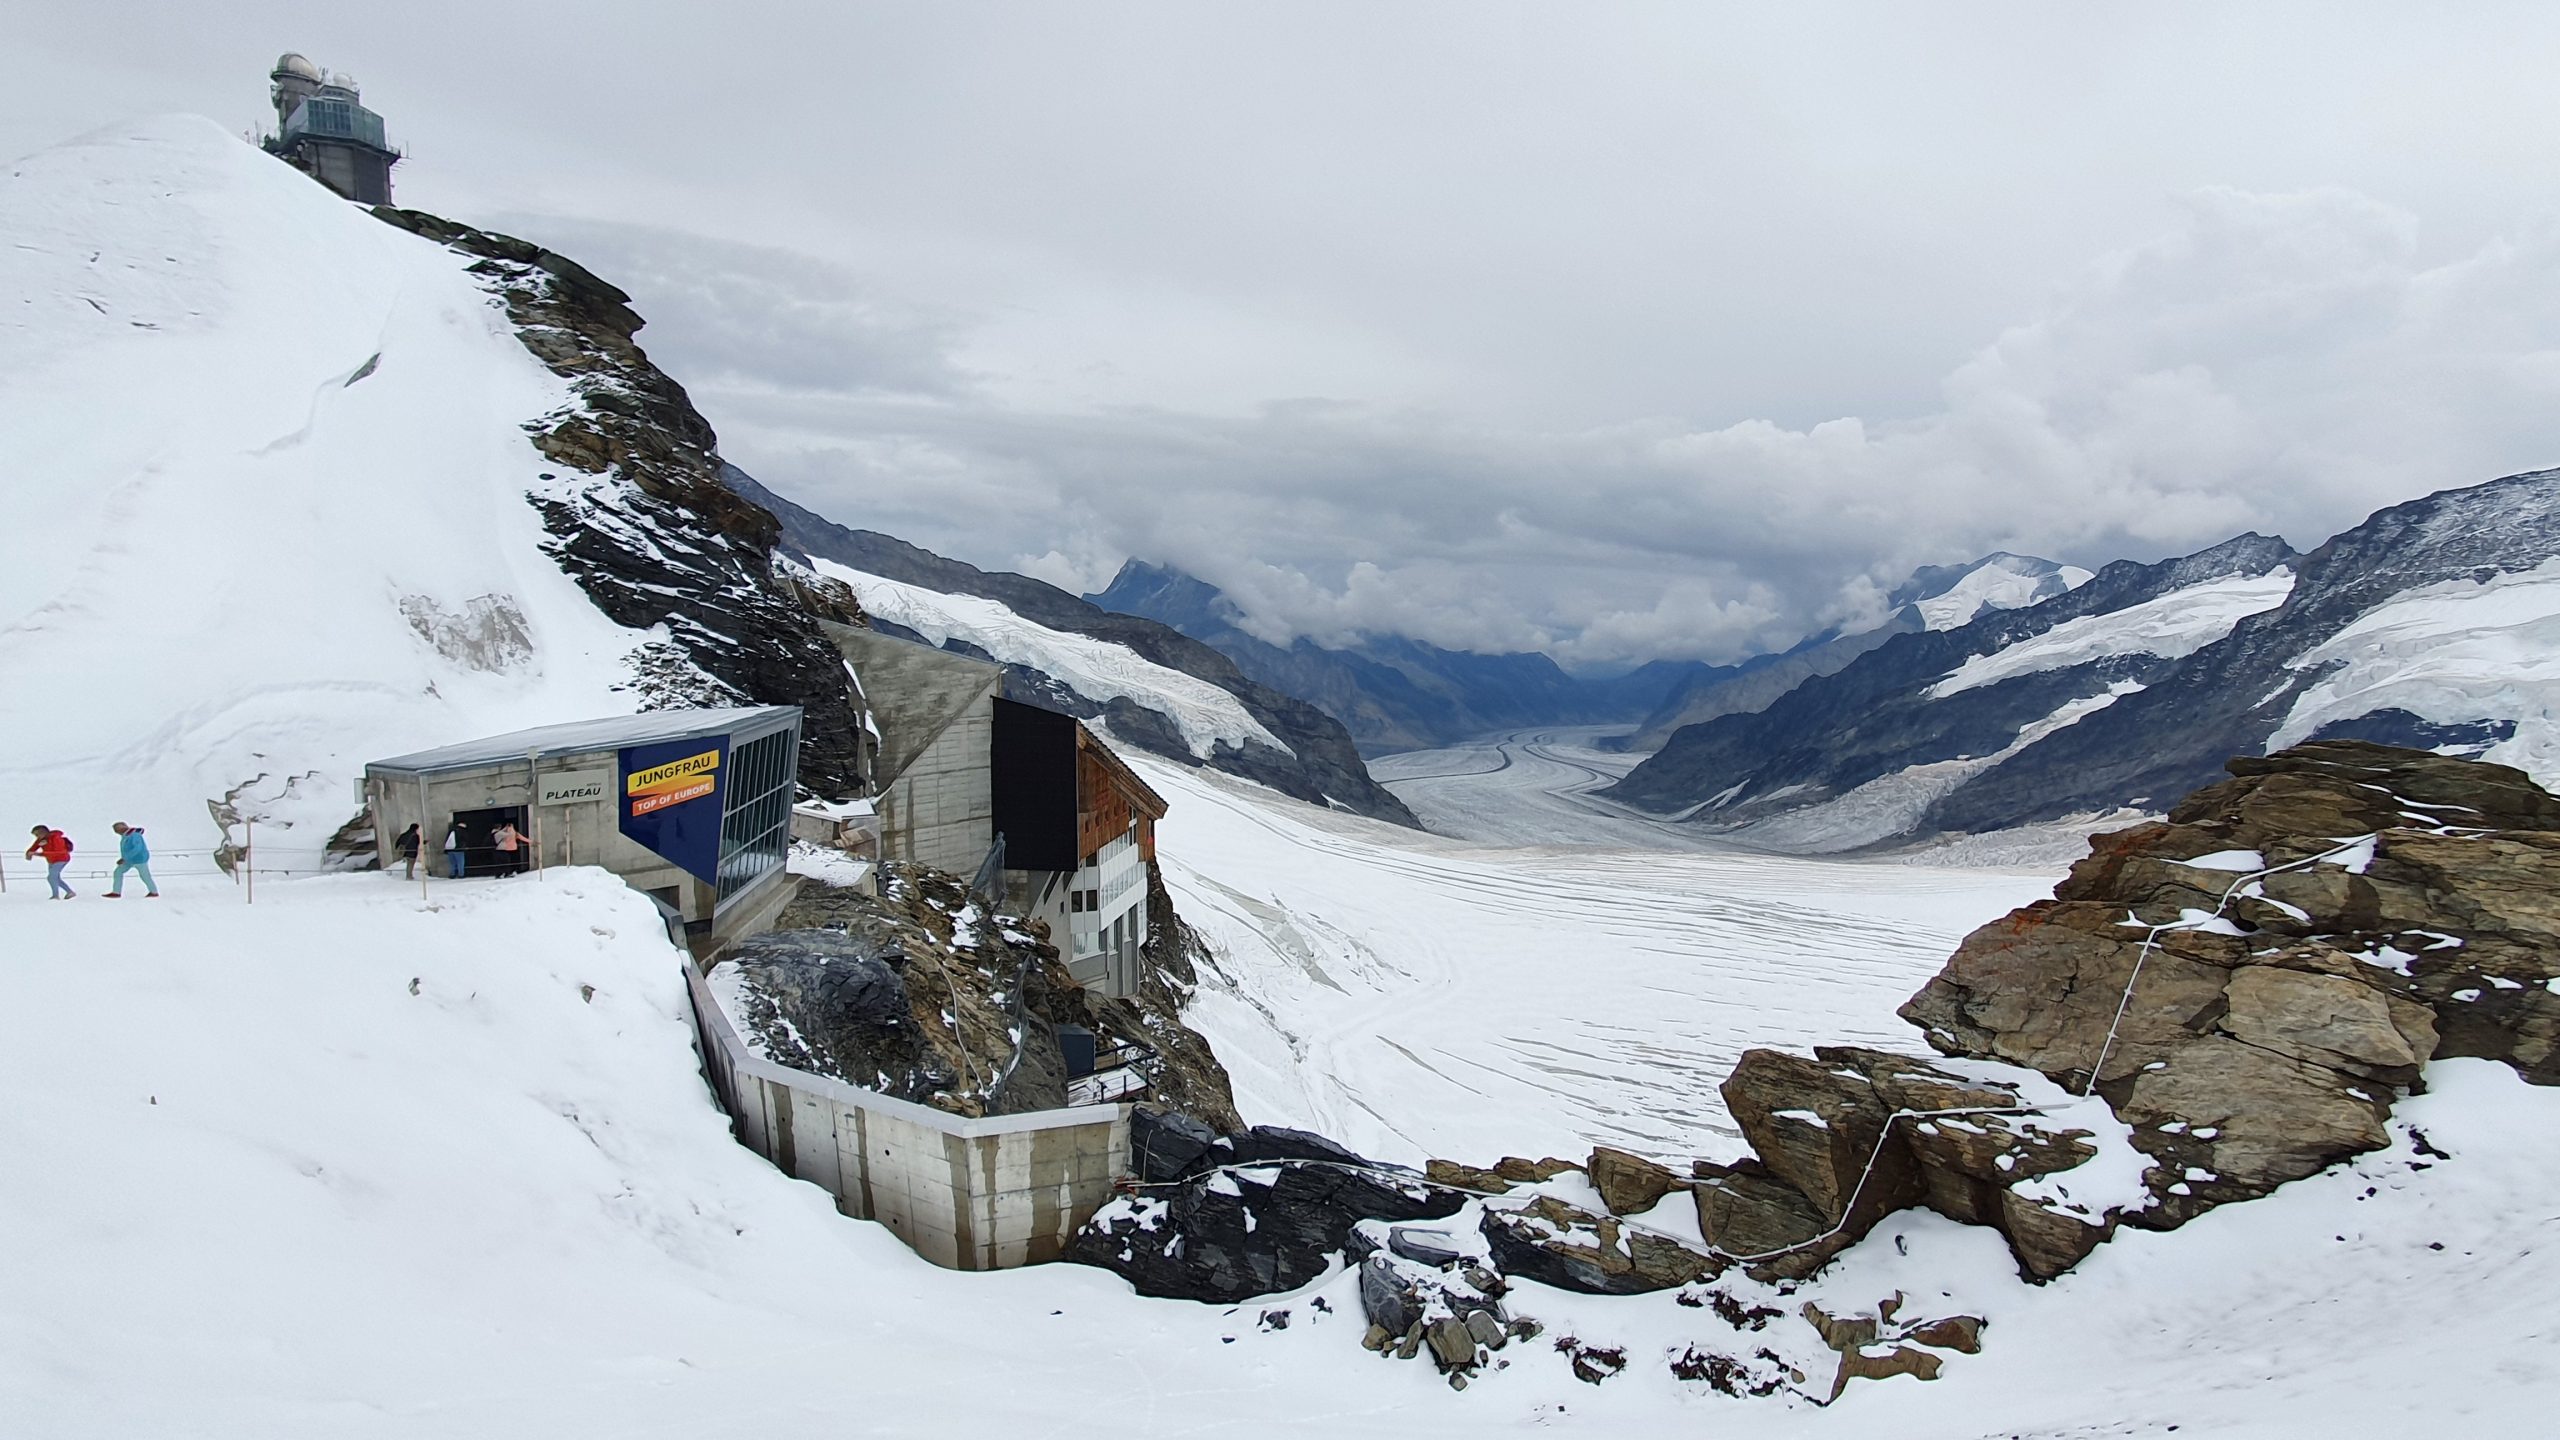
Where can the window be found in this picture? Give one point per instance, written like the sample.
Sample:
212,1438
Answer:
755,829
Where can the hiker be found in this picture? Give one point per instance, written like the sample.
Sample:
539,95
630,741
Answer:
408,844
56,849
453,849
132,854
510,856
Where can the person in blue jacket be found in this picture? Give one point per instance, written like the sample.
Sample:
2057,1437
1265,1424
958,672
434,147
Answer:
132,854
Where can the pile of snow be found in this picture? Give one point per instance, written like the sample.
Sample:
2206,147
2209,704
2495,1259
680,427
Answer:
1099,670
2174,625
265,491
2458,652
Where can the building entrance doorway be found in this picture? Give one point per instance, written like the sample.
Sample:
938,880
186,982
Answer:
480,852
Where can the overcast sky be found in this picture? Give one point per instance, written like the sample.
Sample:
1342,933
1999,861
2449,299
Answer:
1618,331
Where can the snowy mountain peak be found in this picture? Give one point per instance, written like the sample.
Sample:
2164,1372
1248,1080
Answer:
277,507
1947,596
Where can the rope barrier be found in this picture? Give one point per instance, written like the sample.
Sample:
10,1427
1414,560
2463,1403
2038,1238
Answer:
2151,941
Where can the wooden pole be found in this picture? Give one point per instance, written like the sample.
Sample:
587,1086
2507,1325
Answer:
249,854
533,767
423,852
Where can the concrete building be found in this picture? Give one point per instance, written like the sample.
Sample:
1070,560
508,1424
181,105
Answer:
324,130
932,789
691,806
960,765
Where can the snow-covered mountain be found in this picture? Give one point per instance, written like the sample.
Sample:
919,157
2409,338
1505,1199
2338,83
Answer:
289,489
2432,623
1393,692
1154,687
1936,597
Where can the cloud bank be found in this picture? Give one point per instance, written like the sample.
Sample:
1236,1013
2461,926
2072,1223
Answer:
2283,363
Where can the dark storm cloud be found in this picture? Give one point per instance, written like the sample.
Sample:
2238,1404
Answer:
1617,330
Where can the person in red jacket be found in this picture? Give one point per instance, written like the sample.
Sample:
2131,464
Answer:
55,847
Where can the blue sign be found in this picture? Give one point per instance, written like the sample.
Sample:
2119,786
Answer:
671,801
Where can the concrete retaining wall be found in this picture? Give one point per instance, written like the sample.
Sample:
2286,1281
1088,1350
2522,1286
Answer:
966,1194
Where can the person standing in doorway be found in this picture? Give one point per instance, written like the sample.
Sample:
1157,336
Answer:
132,854
55,847
453,849
407,845
510,843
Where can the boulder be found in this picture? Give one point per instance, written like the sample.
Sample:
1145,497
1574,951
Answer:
1628,1184
1234,1234
1167,1145
1556,1244
1752,1217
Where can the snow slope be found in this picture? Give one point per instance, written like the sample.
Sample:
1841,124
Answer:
1096,669
2460,651
265,491
343,1165
2178,623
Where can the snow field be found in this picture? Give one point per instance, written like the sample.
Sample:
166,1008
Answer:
1413,996
1096,669
346,1164
2460,651
2173,625
246,422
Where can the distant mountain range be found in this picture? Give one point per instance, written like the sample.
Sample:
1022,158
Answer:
1155,688
1394,693
1390,692
1936,597
2433,623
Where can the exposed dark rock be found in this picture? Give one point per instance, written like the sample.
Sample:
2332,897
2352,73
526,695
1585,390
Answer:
1555,1244
1167,1145
1267,1225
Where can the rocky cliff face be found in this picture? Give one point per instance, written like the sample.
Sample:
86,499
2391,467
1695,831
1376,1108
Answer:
1321,764
638,515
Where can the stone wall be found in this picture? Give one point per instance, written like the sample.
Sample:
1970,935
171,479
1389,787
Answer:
965,1194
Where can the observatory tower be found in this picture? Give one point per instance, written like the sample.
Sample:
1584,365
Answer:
323,130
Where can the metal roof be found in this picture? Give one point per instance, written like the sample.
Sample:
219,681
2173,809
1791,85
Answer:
610,733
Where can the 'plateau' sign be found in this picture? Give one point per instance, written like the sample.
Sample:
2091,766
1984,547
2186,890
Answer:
574,787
